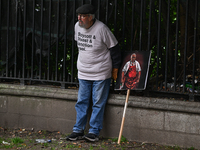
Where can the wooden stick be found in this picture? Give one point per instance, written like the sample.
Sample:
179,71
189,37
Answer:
123,118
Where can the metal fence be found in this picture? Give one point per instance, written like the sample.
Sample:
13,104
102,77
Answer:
37,45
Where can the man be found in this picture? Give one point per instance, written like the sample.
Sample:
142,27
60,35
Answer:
131,74
99,57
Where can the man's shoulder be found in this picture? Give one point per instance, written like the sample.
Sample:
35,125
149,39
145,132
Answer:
136,61
100,24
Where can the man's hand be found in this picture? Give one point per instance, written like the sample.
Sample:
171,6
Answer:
114,73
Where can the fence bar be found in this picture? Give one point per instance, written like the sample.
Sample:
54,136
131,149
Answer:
16,40
33,40
98,7
41,38
65,42
106,17
24,45
124,22
115,18
8,35
185,50
63,85
149,28
0,32
167,44
73,45
141,25
49,39
57,40
194,46
176,43
82,2
132,23
158,42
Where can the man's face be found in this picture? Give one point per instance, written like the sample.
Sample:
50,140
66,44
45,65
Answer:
84,20
133,57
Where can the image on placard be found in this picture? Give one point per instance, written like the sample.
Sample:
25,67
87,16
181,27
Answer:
134,69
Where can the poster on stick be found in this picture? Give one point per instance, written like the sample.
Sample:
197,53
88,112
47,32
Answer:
134,70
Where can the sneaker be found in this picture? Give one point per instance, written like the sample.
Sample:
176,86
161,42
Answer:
75,136
91,137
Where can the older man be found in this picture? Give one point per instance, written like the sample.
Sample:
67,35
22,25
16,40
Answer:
99,58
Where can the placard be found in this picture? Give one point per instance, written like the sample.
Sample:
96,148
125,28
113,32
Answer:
134,70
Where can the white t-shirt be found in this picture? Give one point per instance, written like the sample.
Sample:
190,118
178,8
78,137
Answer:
94,60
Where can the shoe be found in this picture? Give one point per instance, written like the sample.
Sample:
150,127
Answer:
75,136
91,137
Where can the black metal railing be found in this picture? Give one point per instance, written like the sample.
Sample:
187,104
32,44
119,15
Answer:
37,44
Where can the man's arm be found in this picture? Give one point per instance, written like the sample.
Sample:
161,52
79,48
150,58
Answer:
122,78
139,73
115,53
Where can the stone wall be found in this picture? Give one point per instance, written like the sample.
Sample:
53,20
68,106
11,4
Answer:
155,120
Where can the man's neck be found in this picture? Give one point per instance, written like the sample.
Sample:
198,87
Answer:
91,23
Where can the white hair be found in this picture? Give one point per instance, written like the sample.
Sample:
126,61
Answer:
134,54
93,15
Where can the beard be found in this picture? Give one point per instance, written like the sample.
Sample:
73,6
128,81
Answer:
85,24
81,24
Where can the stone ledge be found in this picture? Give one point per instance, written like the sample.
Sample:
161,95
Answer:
114,99
154,120
156,103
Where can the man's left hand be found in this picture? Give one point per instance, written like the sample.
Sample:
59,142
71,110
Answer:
114,73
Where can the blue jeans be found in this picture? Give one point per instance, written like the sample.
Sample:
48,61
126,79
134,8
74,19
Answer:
98,91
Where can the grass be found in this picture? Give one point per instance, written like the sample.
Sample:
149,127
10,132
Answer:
10,143
191,148
106,144
72,146
123,139
17,140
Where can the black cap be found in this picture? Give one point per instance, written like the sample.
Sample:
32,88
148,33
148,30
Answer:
86,9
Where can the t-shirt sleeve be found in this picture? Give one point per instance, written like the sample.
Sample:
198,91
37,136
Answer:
75,31
108,37
112,44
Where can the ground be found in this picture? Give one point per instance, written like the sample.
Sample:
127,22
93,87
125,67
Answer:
23,139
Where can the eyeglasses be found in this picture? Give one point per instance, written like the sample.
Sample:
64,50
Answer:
82,16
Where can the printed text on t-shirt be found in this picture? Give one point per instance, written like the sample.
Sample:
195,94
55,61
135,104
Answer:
84,41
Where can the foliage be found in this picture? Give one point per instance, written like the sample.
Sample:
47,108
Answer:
191,148
17,140
123,139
